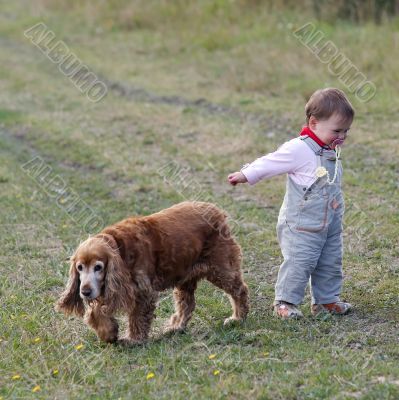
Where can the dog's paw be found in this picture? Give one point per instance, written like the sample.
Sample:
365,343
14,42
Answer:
173,328
175,320
231,321
174,324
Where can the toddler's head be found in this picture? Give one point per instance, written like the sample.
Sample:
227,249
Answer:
329,114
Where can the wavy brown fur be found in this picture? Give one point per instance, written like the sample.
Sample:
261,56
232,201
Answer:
173,248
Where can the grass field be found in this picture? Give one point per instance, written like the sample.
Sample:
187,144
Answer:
203,87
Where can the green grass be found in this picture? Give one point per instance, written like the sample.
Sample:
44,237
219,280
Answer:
253,77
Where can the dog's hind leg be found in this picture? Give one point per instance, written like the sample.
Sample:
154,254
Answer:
226,274
237,290
184,305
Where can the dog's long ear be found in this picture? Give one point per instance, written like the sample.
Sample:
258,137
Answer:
70,302
118,290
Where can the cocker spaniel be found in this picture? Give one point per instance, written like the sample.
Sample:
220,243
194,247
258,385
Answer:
124,267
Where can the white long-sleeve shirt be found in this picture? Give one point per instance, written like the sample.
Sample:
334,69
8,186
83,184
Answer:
294,157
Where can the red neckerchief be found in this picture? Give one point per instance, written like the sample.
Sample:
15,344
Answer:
307,131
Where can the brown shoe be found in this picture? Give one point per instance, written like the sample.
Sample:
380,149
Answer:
286,310
338,308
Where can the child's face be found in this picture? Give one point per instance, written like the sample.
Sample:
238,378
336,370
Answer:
331,131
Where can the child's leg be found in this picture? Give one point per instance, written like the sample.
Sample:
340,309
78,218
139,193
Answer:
326,279
301,251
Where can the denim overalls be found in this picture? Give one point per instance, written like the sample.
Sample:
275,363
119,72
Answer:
309,231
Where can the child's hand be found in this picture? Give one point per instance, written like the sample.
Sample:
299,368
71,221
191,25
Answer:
237,177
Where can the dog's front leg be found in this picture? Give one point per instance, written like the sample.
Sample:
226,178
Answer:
140,318
105,325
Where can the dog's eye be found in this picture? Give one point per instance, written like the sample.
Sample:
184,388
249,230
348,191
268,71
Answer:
79,267
97,267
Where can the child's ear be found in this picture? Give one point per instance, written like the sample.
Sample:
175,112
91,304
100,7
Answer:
312,122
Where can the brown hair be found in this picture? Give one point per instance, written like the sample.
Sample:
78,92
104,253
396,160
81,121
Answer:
325,102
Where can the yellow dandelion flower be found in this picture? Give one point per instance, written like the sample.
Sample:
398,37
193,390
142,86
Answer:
150,375
16,377
55,372
36,389
216,372
79,346
212,356
266,353
37,340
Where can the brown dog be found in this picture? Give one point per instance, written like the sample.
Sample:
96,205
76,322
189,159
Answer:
128,263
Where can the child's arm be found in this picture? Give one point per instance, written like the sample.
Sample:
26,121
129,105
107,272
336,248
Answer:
285,159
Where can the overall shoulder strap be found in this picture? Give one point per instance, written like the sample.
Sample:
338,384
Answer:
317,149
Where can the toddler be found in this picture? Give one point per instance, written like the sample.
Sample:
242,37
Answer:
309,226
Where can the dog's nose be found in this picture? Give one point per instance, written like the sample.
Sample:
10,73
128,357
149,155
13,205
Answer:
86,292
